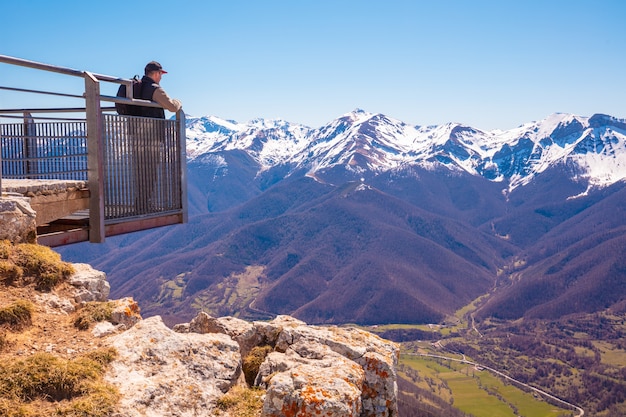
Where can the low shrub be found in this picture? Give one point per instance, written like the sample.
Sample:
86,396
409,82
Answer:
93,312
43,264
6,248
100,402
103,356
17,315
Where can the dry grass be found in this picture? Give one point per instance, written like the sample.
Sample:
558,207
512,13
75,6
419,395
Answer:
17,315
93,312
241,401
4,343
44,384
253,361
48,366
9,272
33,263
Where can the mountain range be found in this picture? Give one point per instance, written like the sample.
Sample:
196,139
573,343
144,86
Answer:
372,220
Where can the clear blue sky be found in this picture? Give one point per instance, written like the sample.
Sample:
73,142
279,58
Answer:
488,64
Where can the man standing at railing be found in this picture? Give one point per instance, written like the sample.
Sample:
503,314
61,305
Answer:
151,144
151,90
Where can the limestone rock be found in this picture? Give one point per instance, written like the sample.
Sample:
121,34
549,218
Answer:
243,332
18,220
55,304
312,345
163,373
91,284
181,328
125,312
103,328
315,370
270,332
326,388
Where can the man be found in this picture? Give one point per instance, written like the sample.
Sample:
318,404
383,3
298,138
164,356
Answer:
151,90
153,147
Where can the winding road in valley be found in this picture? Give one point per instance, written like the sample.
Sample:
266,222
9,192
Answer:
545,394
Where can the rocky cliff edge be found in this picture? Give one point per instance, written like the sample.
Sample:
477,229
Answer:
295,369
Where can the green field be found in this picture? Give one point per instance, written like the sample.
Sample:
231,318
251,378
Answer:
479,392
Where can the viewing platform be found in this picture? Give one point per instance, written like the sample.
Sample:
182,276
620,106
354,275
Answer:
95,173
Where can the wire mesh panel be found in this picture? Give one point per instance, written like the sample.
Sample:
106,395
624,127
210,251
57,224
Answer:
142,166
44,150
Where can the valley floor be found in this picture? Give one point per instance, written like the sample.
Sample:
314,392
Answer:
580,360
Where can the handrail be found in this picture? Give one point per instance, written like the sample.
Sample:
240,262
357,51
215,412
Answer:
135,101
61,70
51,93
46,110
10,113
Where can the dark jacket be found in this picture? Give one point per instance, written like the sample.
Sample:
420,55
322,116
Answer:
148,87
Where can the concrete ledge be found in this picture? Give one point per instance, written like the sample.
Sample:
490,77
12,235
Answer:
31,188
50,199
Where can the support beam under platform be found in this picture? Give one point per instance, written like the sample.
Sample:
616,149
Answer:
75,229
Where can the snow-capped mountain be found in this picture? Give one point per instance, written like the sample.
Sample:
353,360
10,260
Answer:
594,148
270,142
371,220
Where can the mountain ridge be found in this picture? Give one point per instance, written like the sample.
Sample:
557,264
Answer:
375,142
371,220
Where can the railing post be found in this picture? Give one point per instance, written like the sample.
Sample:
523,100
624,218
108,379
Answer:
182,139
95,158
29,150
1,165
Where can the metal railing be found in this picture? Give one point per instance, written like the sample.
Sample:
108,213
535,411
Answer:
135,167
44,150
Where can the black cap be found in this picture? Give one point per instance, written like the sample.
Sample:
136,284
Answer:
154,66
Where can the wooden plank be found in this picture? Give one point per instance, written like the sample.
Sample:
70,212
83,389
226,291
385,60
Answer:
142,224
58,234
66,237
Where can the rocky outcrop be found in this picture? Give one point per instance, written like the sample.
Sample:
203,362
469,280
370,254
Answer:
315,371
328,386
18,219
305,371
125,312
91,284
163,373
